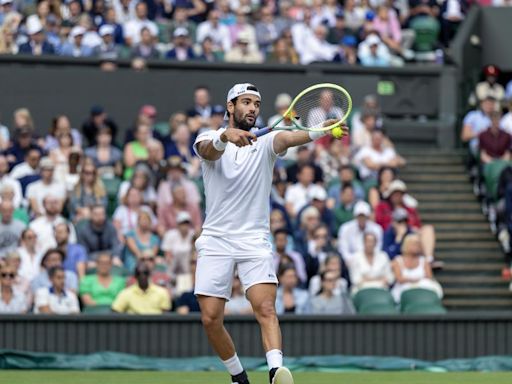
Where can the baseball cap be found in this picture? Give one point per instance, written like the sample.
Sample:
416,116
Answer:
239,90
491,70
106,29
77,31
3,2
362,208
283,100
148,110
180,31
395,186
316,192
33,25
175,162
46,162
97,110
399,214
372,40
349,41
183,217
243,37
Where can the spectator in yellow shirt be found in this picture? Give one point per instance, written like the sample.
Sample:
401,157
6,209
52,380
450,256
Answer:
143,298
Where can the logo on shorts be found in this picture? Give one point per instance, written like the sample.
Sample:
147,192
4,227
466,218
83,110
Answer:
271,276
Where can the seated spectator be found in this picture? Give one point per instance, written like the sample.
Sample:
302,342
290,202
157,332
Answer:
355,14
494,143
207,52
335,155
268,29
371,267
23,156
146,49
453,13
88,192
177,245
319,247
108,49
384,178
317,197
394,198
345,176
181,145
180,19
488,88
304,157
187,300
56,299
363,136
278,220
75,47
343,211
136,150
238,303
285,256
11,300
395,234
155,166
309,221
61,126
76,255
20,283
139,240
316,48
412,270
372,52
282,53
387,25
39,190
144,297
37,44
506,121
339,30
243,52
30,263
475,122
97,119
10,228
98,235
6,180
216,31
53,258
158,277
370,105
107,158
331,263
297,194
125,216
102,287
351,234
371,159
135,23
167,214
290,298
21,214
141,180
182,50
327,302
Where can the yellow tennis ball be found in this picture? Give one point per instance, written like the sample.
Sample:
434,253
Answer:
337,132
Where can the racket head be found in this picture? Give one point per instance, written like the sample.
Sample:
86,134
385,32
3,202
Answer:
305,111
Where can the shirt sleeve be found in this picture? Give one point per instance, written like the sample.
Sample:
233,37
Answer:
165,301
42,298
86,285
205,136
120,304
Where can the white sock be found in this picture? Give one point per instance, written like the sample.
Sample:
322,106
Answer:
274,358
233,365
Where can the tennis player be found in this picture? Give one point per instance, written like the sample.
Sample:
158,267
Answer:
237,172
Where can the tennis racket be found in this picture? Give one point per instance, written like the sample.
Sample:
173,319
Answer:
312,107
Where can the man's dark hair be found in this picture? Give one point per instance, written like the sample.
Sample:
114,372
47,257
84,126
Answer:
53,270
346,186
49,252
281,231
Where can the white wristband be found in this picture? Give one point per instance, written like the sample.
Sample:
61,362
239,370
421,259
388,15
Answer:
218,144
313,135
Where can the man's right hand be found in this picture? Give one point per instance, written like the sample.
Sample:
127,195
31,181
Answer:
239,137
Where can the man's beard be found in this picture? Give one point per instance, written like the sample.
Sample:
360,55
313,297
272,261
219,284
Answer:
241,123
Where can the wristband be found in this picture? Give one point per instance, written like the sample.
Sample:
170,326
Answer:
313,135
218,144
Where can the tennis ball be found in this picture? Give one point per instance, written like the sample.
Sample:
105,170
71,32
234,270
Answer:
337,132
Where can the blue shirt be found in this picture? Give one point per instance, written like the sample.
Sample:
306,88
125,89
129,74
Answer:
75,254
43,281
508,91
389,244
479,122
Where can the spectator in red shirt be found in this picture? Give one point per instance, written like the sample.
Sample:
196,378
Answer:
393,199
494,143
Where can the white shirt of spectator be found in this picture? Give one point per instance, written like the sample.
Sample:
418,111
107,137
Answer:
453,9
315,49
363,51
301,32
124,15
29,267
315,285
21,170
380,268
38,190
378,157
180,248
64,304
18,303
351,238
506,123
132,29
44,229
317,116
128,218
219,35
149,195
9,181
237,188
297,195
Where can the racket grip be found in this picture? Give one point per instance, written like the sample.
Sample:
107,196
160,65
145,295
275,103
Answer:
262,131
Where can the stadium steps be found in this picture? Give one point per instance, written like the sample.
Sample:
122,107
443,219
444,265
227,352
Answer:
471,277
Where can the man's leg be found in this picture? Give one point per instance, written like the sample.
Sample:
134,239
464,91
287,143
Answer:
212,316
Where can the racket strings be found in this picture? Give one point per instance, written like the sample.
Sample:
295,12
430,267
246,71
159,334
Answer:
319,105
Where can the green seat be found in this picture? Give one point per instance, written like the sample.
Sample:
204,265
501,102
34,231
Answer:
97,309
492,172
419,300
427,31
162,127
112,187
374,301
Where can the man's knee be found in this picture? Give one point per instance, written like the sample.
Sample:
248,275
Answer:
211,320
266,311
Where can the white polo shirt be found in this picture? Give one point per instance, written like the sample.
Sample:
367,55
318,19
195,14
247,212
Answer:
63,304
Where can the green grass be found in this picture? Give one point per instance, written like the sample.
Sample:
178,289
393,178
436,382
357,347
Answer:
126,377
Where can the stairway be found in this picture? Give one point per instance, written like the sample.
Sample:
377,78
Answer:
471,277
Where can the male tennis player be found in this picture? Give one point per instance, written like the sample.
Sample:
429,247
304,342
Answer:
237,172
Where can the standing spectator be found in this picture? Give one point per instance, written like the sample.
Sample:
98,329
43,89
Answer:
285,256
290,298
182,50
243,52
30,259
395,234
11,300
143,298
146,48
219,33
75,47
10,228
98,119
126,216
98,235
140,240
177,245
133,27
37,45
412,270
37,191
327,302
371,267
76,256
494,143
56,299
102,287
107,158
167,214
136,150
6,180
51,259
351,234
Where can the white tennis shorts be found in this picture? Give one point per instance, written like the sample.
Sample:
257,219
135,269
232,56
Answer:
217,258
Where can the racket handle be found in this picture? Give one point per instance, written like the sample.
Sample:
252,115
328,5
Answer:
262,131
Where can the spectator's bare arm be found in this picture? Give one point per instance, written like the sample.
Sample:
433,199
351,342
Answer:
467,133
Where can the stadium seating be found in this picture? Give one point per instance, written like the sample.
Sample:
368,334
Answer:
420,301
373,301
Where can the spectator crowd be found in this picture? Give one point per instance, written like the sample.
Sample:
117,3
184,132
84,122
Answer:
96,218
365,32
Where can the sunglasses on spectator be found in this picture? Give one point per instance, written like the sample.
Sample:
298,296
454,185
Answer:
147,259
8,275
88,172
143,273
